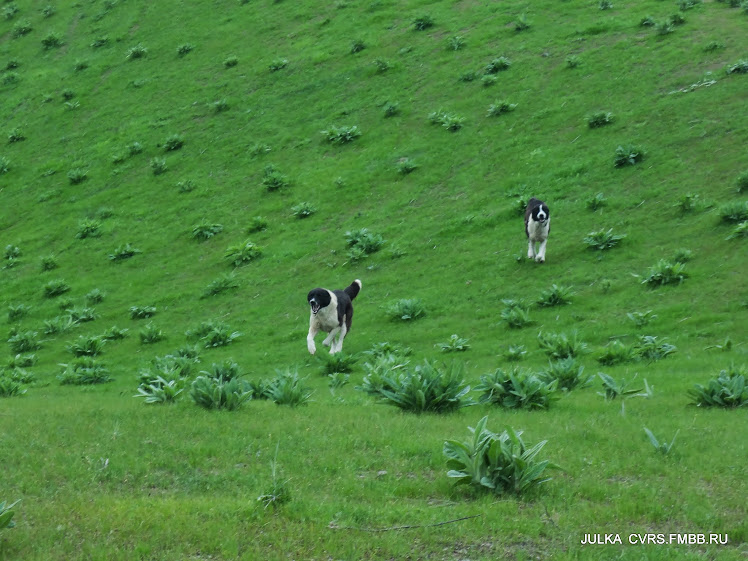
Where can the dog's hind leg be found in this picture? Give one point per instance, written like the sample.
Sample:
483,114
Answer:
336,348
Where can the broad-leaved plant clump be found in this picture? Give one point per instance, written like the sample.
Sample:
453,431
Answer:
500,463
517,389
84,371
217,393
728,390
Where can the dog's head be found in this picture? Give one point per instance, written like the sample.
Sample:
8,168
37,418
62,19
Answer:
540,213
318,298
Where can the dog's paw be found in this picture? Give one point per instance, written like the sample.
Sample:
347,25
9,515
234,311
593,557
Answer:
540,259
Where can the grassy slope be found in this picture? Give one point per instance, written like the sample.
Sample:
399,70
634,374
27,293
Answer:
453,218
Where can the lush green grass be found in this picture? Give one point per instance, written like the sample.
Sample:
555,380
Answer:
101,475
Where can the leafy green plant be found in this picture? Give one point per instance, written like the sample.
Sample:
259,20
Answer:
52,41
516,314
572,61
741,184
605,5
288,389
77,176
488,80
303,210
515,353
159,390
230,61
273,180
664,272
391,109
6,514
406,309
278,493
342,134
17,311
599,119
556,295
213,334
735,211
185,48
683,255
16,135
560,345
406,166
423,23
150,334
449,121
174,142
158,166
517,389
123,252
88,228
95,296
217,393
628,155
649,348
60,324
243,254
142,312
171,367
258,224
357,46
522,24
55,288
4,165
739,232
81,314
136,52
455,42
422,388
223,283
500,108
87,346
339,362
662,447
616,353
364,240
114,333
603,239
501,463
454,345
567,373
9,388
728,389
206,230
278,64
497,65
227,370
84,371
612,388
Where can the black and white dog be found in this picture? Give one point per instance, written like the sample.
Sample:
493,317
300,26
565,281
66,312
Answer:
332,312
537,228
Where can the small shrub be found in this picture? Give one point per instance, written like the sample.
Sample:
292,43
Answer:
86,346
151,334
664,272
60,324
455,344
123,252
185,186
521,24
497,65
391,109
628,155
641,319
160,390
684,5
661,447
222,284
728,389
406,309
422,23
278,64
142,312
88,228
517,389
382,65
226,370
288,389
647,21
273,180
500,108
406,166
455,42
84,371
230,61
603,239
212,393
364,240
567,373
501,463
341,135
174,142
136,52
81,315
741,184
77,175
303,210
17,312
596,202
8,388
206,230
185,48
739,232
573,61
95,296
134,148
599,119
559,345
515,353
683,255
212,334
99,42
114,333
664,27
243,254
650,349
4,165
468,76
23,342
736,211
556,295
449,121
515,314
422,388
258,224
220,105
337,363
488,80
16,136
52,41
616,353
55,288
357,46
614,389
158,166
10,11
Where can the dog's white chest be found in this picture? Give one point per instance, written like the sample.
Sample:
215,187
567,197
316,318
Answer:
327,318
538,231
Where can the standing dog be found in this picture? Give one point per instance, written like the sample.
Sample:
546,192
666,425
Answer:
332,312
537,228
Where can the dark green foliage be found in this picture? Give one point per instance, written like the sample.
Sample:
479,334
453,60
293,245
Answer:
81,315
185,48
517,389
559,345
422,23
556,295
501,463
303,210
616,353
8,388
206,230
500,108
88,228
212,334
338,362
243,254
406,309
273,179
288,389
603,239
123,252
226,370
142,312
599,119
136,52
278,64
613,388
406,166
158,166
230,61
150,334
567,373
418,389
222,284
728,389
55,288
341,135
662,447
649,348
52,41
77,175
363,242
736,211
17,311
516,314
497,65
217,393
357,46
174,142
84,371
87,346
456,344
628,155
665,272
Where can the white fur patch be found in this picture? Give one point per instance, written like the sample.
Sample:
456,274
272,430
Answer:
326,320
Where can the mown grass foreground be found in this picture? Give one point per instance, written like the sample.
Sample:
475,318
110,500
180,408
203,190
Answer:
177,175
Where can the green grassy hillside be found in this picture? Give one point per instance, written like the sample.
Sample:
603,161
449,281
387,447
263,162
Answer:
131,122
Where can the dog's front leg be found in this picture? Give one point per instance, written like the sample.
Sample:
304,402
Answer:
530,249
328,342
541,252
313,330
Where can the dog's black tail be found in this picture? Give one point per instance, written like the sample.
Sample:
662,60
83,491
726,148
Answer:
353,289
